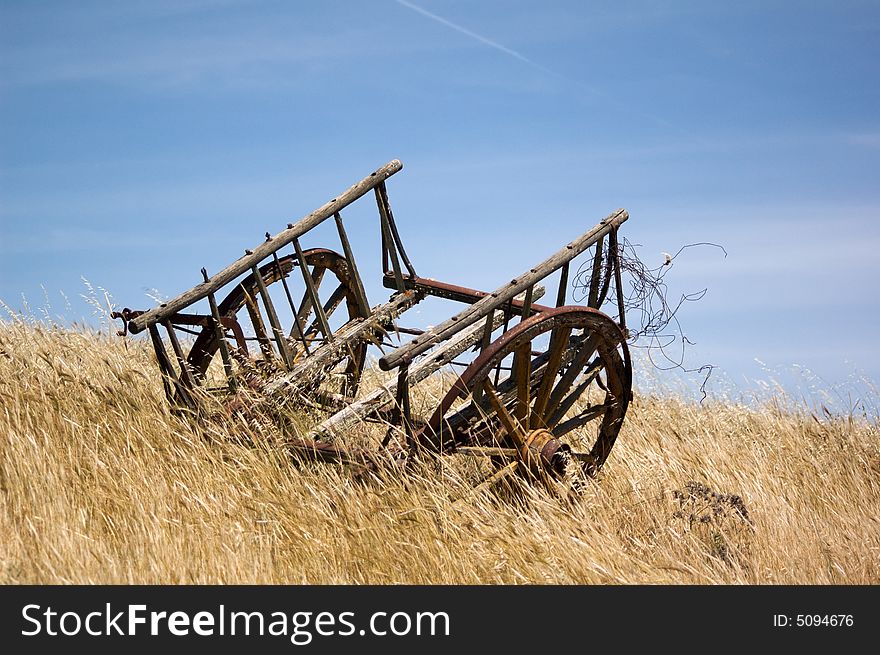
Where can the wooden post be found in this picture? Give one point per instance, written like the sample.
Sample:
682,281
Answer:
595,278
383,198
484,342
312,293
563,285
363,304
221,337
185,373
403,402
258,325
527,303
508,315
401,411
388,242
273,318
164,364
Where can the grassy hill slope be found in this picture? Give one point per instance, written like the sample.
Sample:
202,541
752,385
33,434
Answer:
99,483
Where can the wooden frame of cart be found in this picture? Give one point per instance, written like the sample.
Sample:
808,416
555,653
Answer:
537,373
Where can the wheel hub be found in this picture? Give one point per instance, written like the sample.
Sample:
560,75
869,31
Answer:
541,452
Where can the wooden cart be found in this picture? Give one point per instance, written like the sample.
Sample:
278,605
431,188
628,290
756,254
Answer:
543,388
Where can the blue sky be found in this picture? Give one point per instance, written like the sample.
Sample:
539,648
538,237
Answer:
140,141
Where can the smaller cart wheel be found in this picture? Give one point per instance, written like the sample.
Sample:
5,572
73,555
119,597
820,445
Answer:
243,302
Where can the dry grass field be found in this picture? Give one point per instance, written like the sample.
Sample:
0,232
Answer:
99,483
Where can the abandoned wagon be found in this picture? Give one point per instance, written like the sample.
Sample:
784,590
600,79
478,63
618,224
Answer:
301,324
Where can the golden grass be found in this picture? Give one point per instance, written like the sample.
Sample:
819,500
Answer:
99,483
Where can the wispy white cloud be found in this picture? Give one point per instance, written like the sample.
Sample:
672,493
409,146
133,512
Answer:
127,46
478,37
168,44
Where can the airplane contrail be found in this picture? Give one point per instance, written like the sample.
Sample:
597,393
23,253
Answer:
516,55
478,37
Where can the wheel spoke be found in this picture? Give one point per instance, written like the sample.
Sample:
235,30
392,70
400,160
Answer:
330,306
305,305
581,419
558,344
339,294
559,413
577,365
491,481
522,369
258,325
497,477
509,422
507,389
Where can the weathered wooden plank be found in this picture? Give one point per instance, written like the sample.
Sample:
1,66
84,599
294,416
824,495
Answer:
595,279
363,304
264,250
563,285
221,337
330,352
444,354
500,296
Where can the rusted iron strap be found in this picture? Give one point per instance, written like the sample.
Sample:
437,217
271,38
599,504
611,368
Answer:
497,298
261,252
449,291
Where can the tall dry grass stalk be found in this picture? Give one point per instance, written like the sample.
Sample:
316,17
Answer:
99,483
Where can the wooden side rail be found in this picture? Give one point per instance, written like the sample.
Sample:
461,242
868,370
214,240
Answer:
498,298
264,250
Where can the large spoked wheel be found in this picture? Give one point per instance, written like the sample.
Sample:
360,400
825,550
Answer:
302,332
528,392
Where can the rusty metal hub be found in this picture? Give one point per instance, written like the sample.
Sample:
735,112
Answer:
541,452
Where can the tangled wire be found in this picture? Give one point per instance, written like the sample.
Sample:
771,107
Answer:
657,326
